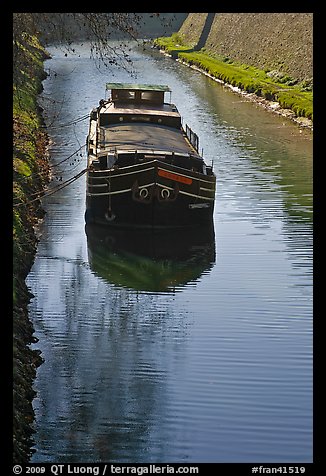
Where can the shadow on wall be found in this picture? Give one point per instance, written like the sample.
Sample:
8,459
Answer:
203,37
205,32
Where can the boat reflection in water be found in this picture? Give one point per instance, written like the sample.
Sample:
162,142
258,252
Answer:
149,260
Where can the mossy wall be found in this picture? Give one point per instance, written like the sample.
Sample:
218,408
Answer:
273,41
30,173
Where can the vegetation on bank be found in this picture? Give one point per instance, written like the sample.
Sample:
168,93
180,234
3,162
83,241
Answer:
30,169
271,85
173,44
30,173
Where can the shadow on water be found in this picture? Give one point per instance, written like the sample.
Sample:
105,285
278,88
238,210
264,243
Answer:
148,260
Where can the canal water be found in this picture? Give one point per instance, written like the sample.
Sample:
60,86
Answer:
193,347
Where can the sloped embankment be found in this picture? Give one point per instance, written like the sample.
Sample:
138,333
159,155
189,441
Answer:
30,174
273,41
233,53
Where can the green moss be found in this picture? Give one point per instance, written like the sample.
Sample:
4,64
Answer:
26,148
174,43
298,101
22,167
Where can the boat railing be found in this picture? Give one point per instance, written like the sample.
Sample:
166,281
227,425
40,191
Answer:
193,137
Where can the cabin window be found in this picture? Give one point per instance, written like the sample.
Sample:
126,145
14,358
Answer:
152,96
147,95
123,95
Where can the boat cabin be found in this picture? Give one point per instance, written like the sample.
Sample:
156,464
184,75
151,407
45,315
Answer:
137,93
137,103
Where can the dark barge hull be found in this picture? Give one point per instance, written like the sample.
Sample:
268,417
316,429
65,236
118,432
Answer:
152,194
144,169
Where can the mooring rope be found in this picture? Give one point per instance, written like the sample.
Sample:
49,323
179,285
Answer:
70,123
69,157
52,166
53,190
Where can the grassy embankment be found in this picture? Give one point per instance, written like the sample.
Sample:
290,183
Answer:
30,173
271,85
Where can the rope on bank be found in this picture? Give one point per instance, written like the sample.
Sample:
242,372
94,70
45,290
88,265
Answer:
69,157
71,123
54,190
52,166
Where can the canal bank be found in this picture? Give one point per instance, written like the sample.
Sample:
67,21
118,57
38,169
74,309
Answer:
266,58
30,175
268,101
293,103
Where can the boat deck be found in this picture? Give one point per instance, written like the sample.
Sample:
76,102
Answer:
144,136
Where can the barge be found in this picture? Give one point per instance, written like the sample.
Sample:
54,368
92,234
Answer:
144,168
